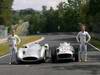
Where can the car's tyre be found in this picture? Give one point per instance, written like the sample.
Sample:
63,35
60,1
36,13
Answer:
53,56
76,55
45,57
18,61
43,60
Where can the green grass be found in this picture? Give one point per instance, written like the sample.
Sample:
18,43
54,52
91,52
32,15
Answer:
4,47
95,42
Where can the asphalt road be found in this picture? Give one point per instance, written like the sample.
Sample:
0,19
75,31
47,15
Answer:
91,67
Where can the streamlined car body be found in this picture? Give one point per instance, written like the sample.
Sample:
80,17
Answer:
32,53
64,51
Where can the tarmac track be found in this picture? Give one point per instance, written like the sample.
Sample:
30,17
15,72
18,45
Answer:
91,67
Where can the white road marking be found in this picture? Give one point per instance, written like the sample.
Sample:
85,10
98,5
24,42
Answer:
94,47
4,55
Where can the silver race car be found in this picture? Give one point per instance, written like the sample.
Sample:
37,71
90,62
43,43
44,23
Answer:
32,53
64,51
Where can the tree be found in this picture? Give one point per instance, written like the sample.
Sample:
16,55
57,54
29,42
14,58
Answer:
94,13
51,21
5,12
68,16
37,23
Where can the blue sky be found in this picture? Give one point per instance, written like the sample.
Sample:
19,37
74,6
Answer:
35,4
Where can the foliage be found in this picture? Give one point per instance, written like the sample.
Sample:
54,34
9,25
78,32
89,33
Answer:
65,18
5,12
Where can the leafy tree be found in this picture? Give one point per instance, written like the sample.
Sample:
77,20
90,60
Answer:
66,17
94,13
5,12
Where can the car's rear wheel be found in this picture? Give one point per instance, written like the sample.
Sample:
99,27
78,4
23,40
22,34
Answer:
76,55
54,55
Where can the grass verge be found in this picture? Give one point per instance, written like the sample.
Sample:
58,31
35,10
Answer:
95,42
4,47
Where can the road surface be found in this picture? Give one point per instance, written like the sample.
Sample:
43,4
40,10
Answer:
92,67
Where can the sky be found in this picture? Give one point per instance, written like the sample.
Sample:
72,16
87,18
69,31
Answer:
34,4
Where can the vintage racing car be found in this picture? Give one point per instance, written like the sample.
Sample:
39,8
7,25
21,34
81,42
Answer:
64,51
33,53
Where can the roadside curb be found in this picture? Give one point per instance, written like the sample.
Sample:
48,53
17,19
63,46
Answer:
94,47
4,55
37,41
